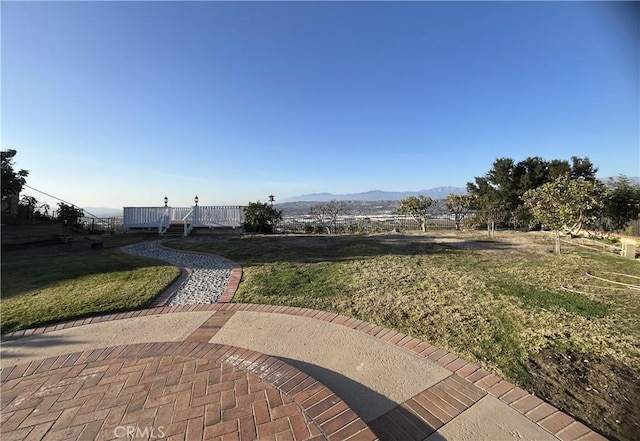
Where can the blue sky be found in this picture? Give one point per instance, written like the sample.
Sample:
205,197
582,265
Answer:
118,103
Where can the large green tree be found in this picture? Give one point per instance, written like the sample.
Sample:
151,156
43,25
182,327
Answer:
417,207
12,180
500,191
565,203
622,202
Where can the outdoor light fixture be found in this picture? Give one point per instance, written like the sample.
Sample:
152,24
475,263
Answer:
166,200
196,200
271,198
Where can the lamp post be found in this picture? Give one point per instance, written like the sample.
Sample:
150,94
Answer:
196,200
271,198
166,200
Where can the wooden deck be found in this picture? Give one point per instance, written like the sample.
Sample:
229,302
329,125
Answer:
162,218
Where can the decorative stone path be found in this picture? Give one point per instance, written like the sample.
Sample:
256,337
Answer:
205,278
193,388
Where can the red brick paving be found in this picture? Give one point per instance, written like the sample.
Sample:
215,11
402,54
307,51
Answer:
209,328
426,412
158,390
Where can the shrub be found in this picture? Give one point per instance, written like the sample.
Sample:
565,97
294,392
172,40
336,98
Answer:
261,218
69,214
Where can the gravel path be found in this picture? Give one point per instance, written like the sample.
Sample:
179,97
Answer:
209,275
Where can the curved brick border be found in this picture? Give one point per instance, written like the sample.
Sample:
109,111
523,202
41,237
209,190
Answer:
473,379
334,418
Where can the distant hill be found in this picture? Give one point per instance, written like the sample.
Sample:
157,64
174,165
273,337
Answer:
103,211
377,195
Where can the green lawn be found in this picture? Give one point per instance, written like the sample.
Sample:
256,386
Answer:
44,284
505,304
563,326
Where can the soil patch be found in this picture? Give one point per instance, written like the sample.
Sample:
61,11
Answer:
596,389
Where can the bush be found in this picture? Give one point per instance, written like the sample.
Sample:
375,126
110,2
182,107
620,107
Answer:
69,214
261,218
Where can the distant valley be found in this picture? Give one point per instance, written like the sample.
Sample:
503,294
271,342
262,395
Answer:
377,195
368,203
103,211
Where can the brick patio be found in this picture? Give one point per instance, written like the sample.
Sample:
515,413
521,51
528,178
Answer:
173,391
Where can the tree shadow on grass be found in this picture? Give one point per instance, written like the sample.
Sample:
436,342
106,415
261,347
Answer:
259,250
38,266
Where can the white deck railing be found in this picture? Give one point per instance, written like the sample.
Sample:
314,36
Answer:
228,216
162,217
142,216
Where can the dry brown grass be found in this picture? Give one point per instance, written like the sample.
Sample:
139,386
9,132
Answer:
498,302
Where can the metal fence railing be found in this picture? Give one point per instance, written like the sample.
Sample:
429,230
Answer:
106,225
355,225
309,224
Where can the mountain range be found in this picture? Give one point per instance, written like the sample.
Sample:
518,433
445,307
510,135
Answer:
373,195
377,195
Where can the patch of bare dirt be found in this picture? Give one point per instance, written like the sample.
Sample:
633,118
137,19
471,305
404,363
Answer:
596,389
533,241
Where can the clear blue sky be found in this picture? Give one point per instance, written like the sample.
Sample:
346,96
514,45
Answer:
118,103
